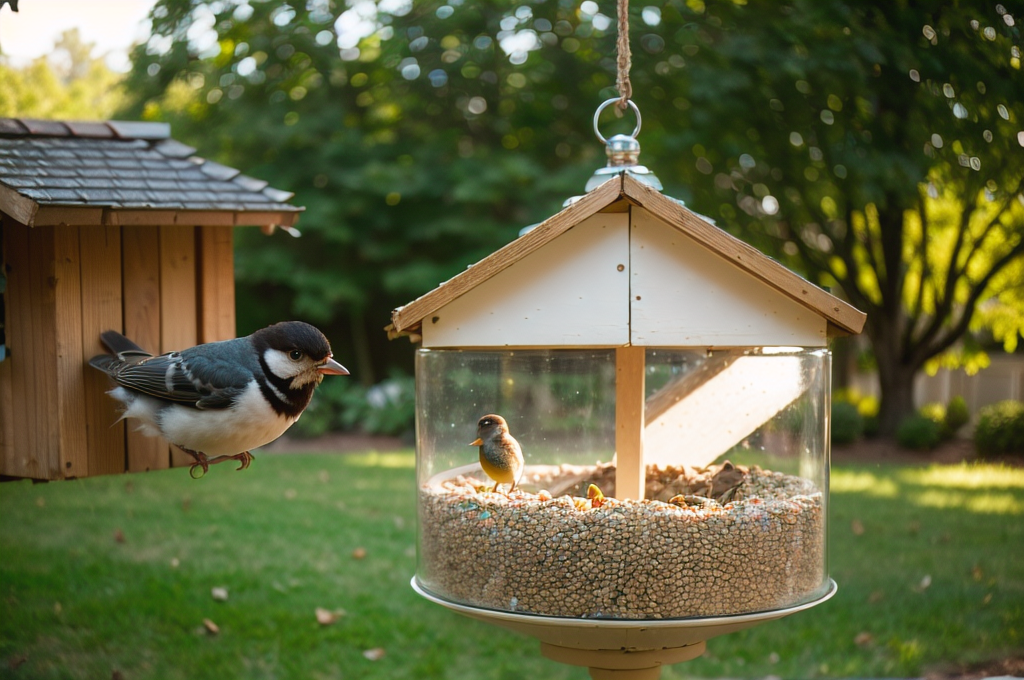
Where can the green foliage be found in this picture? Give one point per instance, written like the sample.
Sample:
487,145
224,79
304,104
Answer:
1000,429
70,83
872,147
949,418
387,408
847,423
934,411
957,415
919,432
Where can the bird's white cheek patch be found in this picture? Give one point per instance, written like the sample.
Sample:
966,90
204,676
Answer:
280,365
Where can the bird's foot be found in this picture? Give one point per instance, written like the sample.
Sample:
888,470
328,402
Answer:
245,458
202,463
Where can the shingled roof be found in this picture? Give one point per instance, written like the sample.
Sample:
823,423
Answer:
118,172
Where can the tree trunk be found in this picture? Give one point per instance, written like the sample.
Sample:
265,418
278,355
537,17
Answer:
895,372
897,383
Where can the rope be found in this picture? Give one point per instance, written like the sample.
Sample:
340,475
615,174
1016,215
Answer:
622,82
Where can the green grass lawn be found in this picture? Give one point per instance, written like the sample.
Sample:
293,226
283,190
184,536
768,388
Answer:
115,574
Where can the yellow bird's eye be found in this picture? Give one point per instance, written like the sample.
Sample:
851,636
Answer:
295,355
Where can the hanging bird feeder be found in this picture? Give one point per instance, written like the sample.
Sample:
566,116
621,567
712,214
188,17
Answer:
669,388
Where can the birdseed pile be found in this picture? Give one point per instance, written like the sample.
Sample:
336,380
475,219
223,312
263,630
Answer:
725,540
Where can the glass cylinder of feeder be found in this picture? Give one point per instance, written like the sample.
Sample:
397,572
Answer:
732,515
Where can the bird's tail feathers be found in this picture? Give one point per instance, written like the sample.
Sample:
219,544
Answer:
103,362
118,344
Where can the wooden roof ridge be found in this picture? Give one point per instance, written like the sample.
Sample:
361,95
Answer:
842,317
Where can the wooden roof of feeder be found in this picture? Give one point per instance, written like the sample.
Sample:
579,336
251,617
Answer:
125,173
626,265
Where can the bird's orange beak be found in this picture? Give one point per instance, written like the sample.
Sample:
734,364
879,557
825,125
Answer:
477,442
331,367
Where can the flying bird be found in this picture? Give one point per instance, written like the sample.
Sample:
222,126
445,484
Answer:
500,454
216,401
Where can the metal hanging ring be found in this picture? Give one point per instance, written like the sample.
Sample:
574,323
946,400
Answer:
606,104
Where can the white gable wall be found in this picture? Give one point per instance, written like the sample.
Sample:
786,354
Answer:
683,295
570,292
672,292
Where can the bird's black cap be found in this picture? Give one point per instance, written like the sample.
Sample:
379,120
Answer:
289,335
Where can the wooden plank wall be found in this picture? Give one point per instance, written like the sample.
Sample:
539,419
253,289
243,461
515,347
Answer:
44,388
140,269
166,288
216,276
101,311
178,321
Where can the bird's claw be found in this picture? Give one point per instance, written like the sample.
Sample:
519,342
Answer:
245,458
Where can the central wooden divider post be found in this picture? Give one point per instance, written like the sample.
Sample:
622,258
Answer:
630,476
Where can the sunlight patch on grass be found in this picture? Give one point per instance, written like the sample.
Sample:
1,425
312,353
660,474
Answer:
404,460
856,481
966,476
991,502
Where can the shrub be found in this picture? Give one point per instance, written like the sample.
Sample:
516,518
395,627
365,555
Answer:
872,426
389,408
918,432
957,415
847,423
1000,429
934,411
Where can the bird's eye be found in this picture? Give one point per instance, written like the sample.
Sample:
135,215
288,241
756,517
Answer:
295,355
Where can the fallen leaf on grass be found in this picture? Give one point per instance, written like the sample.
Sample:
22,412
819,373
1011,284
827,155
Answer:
374,654
117,675
914,527
15,661
118,536
857,527
988,598
220,594
211,627
359,553
41,502
175,562
876,596
290,494
323,476
326,617
924,584
57,609
977,573
863,639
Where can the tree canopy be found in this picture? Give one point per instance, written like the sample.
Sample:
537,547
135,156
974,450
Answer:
874,148
69,83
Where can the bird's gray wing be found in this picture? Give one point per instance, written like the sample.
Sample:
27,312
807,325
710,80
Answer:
197,382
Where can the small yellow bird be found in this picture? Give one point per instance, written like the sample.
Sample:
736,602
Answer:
500,455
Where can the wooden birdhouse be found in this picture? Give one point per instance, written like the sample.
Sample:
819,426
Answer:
669,387
107,226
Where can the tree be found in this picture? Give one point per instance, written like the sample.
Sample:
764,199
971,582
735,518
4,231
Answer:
874,148
878,148
69,83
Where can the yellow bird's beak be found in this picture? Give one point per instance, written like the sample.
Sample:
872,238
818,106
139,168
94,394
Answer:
477,442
